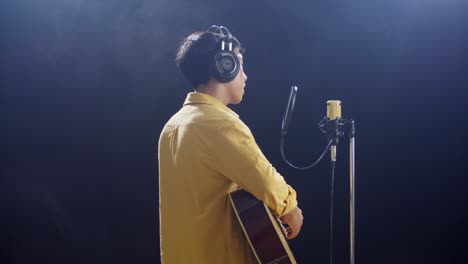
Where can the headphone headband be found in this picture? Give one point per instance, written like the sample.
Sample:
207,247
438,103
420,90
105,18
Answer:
223,32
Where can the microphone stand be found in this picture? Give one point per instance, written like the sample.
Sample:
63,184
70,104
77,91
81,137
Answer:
335,129
351,132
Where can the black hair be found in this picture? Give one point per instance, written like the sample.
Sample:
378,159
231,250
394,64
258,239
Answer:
195,53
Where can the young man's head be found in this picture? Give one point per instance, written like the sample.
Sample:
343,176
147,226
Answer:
200,62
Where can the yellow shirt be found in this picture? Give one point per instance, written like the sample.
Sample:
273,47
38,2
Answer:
205,152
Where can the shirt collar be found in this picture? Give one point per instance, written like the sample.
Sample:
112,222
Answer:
202,98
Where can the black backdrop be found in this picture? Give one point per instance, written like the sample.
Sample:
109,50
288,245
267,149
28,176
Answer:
86,87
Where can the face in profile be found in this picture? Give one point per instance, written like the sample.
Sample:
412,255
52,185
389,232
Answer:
237,86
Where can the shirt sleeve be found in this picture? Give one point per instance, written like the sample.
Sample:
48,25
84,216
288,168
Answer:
238,157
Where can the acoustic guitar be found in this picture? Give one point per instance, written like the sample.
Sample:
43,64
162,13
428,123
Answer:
265,233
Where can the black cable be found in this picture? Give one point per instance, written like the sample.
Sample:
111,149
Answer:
308,167
331,211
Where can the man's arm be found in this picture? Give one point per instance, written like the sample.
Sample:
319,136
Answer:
238,157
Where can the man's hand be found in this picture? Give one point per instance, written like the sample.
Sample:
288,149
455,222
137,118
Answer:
294,221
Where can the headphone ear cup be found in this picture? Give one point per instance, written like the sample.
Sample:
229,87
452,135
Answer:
225,66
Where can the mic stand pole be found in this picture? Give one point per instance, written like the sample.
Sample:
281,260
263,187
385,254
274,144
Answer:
351,132
335,129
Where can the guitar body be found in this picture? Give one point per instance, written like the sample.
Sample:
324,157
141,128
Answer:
264,231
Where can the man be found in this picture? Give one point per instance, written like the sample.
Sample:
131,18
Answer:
206,152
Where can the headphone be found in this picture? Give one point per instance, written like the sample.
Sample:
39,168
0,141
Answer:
224,64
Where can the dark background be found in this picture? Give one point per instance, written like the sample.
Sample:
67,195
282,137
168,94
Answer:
87,85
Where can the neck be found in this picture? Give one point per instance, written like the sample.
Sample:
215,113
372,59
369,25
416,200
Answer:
214,89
